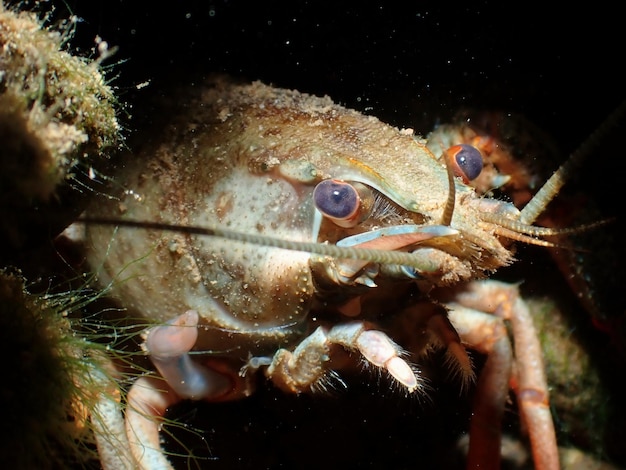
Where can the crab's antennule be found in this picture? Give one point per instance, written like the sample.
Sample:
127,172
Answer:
551,188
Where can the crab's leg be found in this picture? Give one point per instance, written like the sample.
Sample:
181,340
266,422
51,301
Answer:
488,335
148,399
169,346
530,386
108,425
297,371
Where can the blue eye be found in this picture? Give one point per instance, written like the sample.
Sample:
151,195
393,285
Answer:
336,199
466,160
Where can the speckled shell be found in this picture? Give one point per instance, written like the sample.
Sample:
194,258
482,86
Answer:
247,157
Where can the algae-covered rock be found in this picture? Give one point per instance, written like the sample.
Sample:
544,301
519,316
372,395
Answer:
57,118
45,388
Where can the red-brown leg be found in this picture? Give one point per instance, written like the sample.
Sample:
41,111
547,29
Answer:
530,386
486,334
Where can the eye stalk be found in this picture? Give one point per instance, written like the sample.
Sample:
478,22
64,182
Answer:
467,162
346,204
461,160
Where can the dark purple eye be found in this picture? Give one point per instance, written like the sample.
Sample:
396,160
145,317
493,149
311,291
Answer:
466,160
336,199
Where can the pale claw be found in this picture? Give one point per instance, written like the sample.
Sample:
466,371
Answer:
149,397
169,346
303,368
378,349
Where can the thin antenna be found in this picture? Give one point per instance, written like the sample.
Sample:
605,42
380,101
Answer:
554,184
400,258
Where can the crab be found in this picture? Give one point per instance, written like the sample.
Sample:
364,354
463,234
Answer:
271,231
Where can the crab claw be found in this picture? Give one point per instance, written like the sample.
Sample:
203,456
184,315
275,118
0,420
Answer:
169,346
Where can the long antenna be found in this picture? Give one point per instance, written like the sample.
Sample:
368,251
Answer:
554,184
341,252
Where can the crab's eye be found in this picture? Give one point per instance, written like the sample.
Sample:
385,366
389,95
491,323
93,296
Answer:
339,201
467,162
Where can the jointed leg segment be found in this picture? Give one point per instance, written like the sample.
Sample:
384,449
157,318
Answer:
297,371
477,312
530,385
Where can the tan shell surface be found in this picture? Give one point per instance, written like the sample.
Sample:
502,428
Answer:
247,157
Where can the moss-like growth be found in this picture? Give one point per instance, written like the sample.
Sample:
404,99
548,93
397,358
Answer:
578,396
56,107
56,111
48,386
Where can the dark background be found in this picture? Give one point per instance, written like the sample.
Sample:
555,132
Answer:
413,65
397,60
